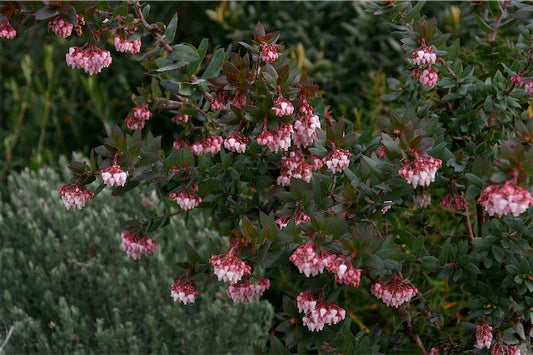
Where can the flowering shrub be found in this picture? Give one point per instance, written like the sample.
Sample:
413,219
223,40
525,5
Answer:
295,189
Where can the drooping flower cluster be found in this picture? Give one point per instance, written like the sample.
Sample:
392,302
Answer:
453,201
512,350
123,45
187,199
180,118
342,268
424,58
518,80
299,218
236,142
277,141
394,292
74,197
244,291
505,199
210,144
483,335
60,27
307,260
421,171
89,58
282,107
113,175
220,100
295,166
269,52
7,31
422,200
318,315
306,125
428,78
184,290
529,88
228,267
136,245
140,115
337,160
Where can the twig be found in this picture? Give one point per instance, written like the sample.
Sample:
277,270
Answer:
469,224
492,35
7,338
408,325
153,31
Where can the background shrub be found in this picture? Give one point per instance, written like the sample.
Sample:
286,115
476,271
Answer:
68,287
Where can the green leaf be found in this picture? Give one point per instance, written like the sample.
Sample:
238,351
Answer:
170,32
184,53
414,11
119,190
45,13
192,254
213,69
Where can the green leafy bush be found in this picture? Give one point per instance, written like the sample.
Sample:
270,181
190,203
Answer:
67,287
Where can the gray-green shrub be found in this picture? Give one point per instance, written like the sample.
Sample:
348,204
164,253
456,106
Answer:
66,285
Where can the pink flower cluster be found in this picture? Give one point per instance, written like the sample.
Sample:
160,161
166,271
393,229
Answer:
529,88
7,31
299,218
342,268
184,290
337,160
282,107
305,125
424,58
90,58
421,171
229,268
518,80
210,144
123,45
393,292
136,246
180,118
74,197
219,102
318,315
236,142
269,52
502,200
276,141
483,335
296,166
113,175
454,202
422,200
140,115
186,198
244,291
307,260
60,27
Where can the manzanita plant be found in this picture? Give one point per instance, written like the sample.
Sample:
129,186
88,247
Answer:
332,218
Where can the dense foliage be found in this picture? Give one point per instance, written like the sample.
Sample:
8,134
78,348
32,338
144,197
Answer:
426,209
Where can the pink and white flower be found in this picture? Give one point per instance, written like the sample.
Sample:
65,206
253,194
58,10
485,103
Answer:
502,200
342,268
60,27
422,200
7,31
210,144
294,166
337,160
74,197
229,268
123,45
269,52
184,290
429,78
282,107
393,292
529,88
483,335
277,141
317,315
180,118
134,123
113,175
136,245
186,198
236,142
307,260
89,58
244,291
142,112
424,56
421,171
